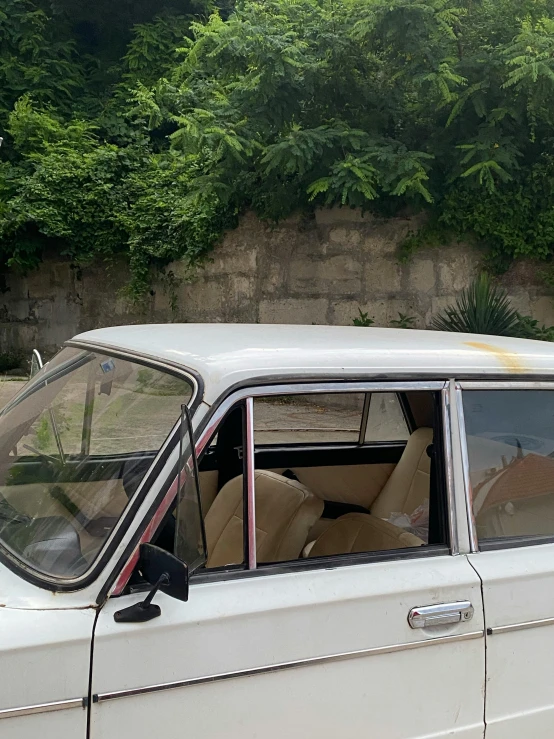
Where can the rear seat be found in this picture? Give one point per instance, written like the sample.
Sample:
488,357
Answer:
405,490
361,532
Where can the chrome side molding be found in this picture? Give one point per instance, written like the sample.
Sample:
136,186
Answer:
101,697
491,631
43,708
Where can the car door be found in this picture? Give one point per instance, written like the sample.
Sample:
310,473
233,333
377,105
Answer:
302,648
510,474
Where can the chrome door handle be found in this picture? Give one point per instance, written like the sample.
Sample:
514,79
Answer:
440,615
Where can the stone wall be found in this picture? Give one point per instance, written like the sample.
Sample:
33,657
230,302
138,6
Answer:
316,270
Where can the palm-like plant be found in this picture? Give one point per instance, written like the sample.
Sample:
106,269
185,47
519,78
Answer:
482,308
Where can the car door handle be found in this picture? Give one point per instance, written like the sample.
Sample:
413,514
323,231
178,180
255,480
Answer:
440,614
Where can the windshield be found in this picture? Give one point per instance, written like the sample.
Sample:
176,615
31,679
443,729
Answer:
74,447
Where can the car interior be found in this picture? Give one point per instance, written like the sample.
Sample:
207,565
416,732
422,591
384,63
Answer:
331,496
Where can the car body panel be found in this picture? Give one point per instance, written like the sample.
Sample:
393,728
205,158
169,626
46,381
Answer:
227,627
44,660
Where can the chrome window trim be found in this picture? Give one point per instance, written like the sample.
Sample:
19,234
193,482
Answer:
250,484
43,708
506,384
293,664
468,492
449,469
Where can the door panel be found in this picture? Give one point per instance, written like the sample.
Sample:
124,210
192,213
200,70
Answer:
405,682
46,654
518,592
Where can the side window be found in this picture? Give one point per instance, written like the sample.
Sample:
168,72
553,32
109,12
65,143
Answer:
385,420
309,418
312,500
306,502
346,500
510,442
330,418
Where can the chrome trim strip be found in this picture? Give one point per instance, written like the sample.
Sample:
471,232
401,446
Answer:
393,386
43,708
447,441
506,385
520,626
473,541
250,483
101,697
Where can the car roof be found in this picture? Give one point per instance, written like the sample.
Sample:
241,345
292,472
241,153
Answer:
227,354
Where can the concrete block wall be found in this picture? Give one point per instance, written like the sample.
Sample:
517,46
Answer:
320,269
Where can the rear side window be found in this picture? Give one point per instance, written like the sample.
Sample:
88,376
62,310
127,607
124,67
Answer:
510,441
309,419
330,418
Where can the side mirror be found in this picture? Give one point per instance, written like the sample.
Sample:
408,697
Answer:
164,572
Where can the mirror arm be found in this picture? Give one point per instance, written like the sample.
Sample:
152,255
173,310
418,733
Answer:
145,610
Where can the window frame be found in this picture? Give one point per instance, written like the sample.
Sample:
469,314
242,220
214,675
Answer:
509,542
248,394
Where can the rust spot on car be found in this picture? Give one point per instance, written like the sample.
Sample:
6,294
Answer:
509,360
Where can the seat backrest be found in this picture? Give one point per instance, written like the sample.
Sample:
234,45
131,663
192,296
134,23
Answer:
361,532
409,484
285,512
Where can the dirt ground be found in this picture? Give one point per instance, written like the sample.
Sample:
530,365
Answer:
8,388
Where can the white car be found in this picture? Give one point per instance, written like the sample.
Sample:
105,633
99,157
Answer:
359,542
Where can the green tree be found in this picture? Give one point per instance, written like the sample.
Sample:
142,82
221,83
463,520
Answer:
149,132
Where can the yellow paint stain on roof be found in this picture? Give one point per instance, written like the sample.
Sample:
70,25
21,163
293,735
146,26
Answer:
510,361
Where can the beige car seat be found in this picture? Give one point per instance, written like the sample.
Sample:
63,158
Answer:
285,512
406,489
362,532
408,486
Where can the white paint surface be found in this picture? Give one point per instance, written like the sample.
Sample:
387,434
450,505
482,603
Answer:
518,588
44,657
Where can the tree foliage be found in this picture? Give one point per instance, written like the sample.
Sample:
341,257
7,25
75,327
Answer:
148,134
